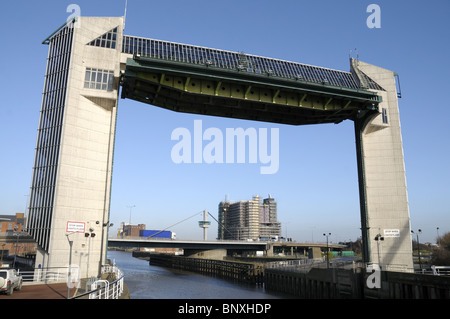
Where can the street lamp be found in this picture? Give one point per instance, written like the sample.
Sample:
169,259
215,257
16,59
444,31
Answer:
69,274
437,240
16,233
90,235
328,260
379,238
103,259
130,207
3,247
419,231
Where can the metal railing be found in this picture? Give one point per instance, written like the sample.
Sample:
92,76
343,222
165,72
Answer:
104,289
434,270
44,275
100,288
300,265
441,270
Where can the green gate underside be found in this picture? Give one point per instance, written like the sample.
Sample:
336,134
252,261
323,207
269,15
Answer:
208,90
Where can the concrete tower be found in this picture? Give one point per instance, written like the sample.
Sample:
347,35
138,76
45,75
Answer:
205,224
71,182
384,204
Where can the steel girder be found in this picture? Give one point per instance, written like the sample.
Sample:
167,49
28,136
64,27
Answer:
202,89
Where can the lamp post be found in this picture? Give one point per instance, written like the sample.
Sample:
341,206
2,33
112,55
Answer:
16,233
3,247
130,207
69,274
328,257
90,235
379,238
419,231
105,233
437,239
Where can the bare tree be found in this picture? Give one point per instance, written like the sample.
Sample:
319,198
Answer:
441,254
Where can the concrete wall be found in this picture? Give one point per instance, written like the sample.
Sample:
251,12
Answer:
206,254
350,284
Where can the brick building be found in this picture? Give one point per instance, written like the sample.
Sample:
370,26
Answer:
13,239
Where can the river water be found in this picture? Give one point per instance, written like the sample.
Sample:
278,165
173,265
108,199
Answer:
145,281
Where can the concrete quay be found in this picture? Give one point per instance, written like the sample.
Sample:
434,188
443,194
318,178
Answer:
338,283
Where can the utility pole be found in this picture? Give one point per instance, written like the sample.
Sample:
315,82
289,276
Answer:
328,257
419,231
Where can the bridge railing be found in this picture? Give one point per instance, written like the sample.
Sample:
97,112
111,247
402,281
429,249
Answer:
104,289
45,275
300,265
100,288
434,270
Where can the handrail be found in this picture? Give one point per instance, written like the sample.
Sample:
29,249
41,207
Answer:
108,290
103,288
45,275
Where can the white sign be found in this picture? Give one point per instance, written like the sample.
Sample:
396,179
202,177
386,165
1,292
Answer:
392,233
75,227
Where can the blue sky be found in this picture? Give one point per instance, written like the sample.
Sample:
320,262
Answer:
316,185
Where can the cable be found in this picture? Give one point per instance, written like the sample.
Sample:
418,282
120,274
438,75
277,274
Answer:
174,224
221,225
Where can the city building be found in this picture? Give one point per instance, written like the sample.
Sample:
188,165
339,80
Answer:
251,219
269,227
128,230
13,239
9,223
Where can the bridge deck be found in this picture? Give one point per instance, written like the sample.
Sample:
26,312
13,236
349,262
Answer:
201,244
192,79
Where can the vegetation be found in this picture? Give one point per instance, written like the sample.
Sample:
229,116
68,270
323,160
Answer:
441,253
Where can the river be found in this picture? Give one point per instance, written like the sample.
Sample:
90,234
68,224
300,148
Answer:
145,281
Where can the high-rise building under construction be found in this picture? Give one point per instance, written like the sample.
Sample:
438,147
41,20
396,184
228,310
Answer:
251,219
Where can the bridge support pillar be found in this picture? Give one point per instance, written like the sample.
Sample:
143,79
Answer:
71,183
382,181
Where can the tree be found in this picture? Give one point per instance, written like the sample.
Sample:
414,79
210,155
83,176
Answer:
441,254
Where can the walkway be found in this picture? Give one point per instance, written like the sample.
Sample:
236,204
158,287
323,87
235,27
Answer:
44,291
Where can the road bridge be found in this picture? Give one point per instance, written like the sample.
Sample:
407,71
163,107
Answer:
231,245
185,244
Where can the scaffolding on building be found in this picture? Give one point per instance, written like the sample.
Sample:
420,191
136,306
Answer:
249,220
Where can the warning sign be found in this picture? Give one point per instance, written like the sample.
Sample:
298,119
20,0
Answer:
392,233
75,227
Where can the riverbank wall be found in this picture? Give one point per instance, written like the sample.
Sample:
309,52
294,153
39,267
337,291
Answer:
243,272
314,282
356,284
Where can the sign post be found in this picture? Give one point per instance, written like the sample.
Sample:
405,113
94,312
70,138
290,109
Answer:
72,227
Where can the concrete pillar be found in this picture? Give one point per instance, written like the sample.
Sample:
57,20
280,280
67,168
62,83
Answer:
81,189
383,192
